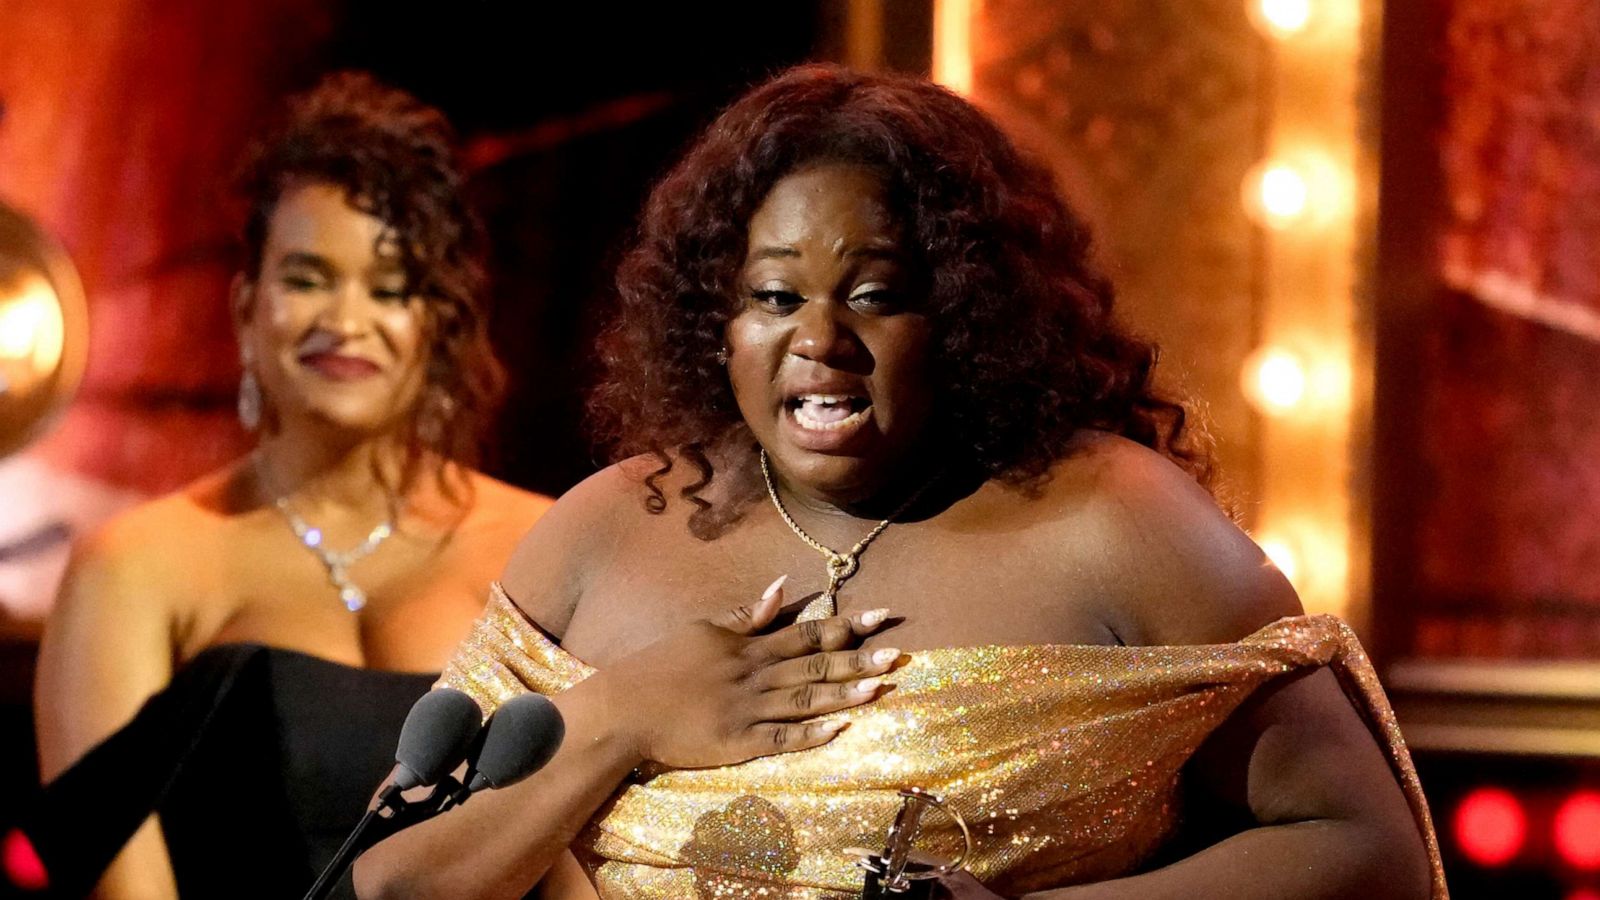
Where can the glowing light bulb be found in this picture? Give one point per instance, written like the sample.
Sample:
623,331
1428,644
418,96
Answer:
19,322
1277,194
1274,380
1283,556
1577,830
1299,188
1311,553
1282,18
31,326
952,44
21,862
1490,827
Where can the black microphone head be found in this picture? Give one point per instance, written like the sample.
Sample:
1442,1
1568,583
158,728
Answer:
435,737
521,736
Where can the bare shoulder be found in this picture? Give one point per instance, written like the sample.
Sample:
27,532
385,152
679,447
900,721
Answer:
501,513
132,586
574,536
156,549
1166,556
497,505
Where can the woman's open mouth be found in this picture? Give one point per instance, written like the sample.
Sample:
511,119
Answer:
839,413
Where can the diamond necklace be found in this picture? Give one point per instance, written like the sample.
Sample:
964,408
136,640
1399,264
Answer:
840,565
337,563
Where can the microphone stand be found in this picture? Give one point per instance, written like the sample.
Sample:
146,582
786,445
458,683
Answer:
375,826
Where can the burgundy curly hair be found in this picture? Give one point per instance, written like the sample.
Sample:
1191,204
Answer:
394,156
1027,350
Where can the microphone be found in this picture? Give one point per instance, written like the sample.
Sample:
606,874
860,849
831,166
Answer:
518,740
437,733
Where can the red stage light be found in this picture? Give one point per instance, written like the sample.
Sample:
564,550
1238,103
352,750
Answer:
23,867
1490,826
1583,894
1577,830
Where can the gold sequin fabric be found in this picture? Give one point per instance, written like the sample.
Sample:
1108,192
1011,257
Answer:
1064,760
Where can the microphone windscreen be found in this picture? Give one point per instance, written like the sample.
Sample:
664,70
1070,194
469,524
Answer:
435,737
522,735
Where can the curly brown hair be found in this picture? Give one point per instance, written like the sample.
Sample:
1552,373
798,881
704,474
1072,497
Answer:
394,157
1027,350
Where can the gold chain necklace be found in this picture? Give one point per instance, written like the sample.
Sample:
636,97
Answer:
840,565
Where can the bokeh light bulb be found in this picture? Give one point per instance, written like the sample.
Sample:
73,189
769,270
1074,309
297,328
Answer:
1274,380
1490,826
1577,831
20,321
1280,194
1283,18
31,326
1282,556
1298,188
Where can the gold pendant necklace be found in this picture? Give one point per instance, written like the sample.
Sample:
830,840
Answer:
840,565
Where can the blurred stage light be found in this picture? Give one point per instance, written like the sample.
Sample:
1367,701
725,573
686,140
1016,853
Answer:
31,326
21,862
1282,554
1490,827
1577,830
1300,188
1281,18
1311,553
1274,380
1277,195
952,43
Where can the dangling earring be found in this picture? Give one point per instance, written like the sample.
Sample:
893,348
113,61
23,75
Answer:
249,401
437,408
722,356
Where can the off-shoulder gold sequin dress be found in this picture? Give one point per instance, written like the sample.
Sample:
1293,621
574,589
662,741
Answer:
1064,759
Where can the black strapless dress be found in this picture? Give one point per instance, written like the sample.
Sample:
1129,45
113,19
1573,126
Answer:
260,761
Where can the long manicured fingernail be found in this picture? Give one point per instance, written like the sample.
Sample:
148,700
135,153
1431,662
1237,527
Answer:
868,685
773,588
874,617
885,656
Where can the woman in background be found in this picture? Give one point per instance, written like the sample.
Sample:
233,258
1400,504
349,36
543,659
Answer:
353,543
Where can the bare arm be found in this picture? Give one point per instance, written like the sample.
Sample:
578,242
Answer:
1322,813
566,880
1330,821
107,647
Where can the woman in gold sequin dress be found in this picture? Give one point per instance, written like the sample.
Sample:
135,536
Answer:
860,345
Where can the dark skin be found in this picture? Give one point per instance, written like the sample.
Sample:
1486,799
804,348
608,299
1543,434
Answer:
1119,546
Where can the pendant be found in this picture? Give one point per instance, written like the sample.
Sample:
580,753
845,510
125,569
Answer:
823,606
354,598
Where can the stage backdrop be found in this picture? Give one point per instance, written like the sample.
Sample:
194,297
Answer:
1149,114
1488,542
122,121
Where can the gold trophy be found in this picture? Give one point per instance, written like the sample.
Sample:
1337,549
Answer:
899,871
